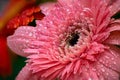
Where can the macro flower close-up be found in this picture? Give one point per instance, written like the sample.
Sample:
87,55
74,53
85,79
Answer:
76,40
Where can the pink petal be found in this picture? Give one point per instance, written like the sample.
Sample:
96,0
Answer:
111,58
89,74
105,73
46,7
114,26
26,74
115,6
19,41
114,38
85,3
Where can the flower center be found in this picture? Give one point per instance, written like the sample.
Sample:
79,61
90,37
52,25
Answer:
73,39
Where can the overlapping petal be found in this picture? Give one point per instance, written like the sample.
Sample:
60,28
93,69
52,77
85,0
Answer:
21,39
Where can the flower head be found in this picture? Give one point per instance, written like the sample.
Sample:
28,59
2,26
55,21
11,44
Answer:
76,40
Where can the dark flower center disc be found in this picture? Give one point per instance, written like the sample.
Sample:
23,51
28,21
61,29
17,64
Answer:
73,39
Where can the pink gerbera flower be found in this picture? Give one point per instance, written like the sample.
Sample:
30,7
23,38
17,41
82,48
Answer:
76,40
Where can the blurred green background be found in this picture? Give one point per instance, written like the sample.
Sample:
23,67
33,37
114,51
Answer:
16,67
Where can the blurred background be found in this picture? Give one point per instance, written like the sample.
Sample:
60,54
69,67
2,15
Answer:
13,14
